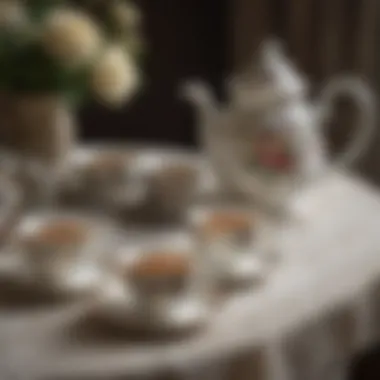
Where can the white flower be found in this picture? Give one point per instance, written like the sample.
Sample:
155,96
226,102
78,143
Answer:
11,13
71,36
126,15
115,76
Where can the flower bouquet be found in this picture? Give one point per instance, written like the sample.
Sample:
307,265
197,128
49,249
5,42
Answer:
54,54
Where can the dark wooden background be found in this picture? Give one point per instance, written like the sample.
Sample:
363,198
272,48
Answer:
185,39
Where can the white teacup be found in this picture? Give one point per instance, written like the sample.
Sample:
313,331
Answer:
172,182
229,236
61,251
162,285
102,177
107,169
33,182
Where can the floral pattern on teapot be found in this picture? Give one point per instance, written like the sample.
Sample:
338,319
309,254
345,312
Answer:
271,154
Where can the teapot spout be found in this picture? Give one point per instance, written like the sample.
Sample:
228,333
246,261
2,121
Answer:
200,95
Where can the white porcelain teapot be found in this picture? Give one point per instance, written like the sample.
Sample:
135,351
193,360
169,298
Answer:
268,140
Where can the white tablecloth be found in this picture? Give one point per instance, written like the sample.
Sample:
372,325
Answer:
318,307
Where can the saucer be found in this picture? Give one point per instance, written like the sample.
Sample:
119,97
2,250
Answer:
77,275
117,306
248,269
80,280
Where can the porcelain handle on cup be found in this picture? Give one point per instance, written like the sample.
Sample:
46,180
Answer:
362,95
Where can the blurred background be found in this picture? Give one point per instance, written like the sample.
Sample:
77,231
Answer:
184,39
209,39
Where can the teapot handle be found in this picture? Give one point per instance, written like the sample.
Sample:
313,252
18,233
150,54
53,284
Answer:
363,96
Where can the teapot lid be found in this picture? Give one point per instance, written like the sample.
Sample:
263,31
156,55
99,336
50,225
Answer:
282,73
270,79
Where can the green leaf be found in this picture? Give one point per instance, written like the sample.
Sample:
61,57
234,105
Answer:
33,70
37,9
77,89
11,43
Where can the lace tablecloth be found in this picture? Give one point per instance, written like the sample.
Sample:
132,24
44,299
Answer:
318,307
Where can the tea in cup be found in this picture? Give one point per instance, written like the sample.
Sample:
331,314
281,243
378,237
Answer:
161,272
60,251
229,237
167,289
